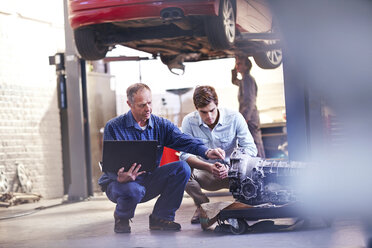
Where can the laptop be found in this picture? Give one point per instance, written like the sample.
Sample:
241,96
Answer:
123,153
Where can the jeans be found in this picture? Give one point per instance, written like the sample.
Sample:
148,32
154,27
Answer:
168,181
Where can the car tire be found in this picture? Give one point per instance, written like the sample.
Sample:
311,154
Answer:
87,45
269,59
220,29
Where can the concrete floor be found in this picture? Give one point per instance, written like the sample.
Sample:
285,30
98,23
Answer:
90,224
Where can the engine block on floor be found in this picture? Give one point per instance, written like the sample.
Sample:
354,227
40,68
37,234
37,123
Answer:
256,181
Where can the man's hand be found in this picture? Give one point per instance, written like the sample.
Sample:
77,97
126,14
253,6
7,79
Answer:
216,153
130,175
220,171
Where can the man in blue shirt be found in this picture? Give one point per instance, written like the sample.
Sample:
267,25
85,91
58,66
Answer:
127,189
216,127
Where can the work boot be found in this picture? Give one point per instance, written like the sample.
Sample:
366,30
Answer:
196,217
121,225
165,225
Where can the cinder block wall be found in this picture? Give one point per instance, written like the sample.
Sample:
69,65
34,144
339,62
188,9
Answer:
29,115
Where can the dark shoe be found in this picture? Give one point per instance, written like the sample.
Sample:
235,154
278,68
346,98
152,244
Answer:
196,217
121,225
160,224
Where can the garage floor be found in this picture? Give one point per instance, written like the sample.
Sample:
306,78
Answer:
90,224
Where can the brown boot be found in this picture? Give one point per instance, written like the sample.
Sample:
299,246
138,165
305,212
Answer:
121,225
165,225
196,217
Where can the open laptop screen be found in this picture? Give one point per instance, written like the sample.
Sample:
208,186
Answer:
123,153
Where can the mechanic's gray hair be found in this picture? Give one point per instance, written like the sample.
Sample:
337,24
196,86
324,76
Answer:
133,89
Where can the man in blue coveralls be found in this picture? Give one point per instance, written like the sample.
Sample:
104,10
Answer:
127,189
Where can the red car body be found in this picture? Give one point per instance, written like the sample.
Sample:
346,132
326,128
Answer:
177,30
83,13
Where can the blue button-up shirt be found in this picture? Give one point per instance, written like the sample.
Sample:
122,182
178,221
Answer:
231,131
125,127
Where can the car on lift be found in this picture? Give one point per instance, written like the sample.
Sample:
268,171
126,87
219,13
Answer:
177,31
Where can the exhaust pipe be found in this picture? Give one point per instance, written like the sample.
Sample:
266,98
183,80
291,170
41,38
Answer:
172,13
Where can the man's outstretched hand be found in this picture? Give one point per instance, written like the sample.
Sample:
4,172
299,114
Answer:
216,153
130,175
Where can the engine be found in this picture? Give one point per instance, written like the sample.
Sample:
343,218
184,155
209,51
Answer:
256,181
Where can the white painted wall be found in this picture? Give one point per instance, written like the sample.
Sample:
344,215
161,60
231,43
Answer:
29,116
